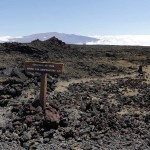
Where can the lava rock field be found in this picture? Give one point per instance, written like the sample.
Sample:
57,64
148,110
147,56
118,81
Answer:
100,102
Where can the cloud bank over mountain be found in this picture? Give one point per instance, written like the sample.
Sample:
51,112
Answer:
141,40
8,38
5,38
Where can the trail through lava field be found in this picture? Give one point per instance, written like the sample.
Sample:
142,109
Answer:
101,101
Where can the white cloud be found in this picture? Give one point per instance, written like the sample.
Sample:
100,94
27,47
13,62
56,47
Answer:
5,38
8,38
143,40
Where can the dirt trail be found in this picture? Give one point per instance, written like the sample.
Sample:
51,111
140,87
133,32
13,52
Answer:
147,70
61,86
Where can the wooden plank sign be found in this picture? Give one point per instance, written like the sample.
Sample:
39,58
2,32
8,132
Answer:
44,68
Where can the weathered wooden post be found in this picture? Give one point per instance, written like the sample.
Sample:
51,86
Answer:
44,68
43,90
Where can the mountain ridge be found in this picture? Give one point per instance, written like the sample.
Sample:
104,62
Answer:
129,40
67,38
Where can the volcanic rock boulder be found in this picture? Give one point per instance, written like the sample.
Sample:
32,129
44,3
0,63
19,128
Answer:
33,115
17,73
7,71
52,118
3,102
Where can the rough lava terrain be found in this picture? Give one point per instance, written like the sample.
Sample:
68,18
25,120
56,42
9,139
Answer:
100,102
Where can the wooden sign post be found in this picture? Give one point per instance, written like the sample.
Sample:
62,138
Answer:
43,90
44,68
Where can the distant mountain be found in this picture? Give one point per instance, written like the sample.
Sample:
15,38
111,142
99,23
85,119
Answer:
67,38
139,40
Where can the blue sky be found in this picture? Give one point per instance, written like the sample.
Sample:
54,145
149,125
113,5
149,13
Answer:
84,17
